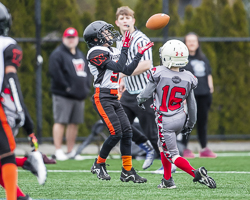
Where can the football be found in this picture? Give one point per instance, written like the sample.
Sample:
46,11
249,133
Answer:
157,21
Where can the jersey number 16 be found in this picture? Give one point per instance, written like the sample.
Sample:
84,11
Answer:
172,103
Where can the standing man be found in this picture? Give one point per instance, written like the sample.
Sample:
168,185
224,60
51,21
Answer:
70,86
135,83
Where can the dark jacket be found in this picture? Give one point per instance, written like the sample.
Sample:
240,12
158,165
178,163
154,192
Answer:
70,73
200,67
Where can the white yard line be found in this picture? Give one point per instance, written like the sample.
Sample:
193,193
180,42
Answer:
240,154
146,172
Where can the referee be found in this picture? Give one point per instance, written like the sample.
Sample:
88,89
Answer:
131,86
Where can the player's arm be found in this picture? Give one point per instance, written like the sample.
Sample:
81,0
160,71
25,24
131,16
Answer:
29,128
12,58
146,93
149,89
192,110
120,65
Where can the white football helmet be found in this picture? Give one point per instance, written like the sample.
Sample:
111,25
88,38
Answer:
174,53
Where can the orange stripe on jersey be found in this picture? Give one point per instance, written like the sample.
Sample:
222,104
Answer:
7,129
102,112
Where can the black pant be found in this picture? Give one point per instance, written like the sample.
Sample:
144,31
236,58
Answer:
146,118
113,116
203,106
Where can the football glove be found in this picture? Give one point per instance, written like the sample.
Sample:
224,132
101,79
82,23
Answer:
127,39
141,50
34,142
186,131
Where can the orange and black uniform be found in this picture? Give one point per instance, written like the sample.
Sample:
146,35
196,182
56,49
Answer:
105,63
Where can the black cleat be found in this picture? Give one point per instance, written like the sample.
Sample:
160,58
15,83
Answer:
169,184
100,171
202,177
131,175
27,197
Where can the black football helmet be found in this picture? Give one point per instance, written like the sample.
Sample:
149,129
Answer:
5,20
95,35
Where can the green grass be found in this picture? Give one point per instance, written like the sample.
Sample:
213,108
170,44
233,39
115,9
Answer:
75,185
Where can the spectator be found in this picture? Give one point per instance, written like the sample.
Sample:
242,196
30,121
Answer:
199,65
70,86
131,86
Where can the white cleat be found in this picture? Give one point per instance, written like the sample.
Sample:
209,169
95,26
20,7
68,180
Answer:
35,164
149,159
60,155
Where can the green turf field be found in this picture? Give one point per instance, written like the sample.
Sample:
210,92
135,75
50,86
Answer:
73,180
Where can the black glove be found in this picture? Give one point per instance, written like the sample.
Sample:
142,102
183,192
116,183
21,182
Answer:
186,131
141,105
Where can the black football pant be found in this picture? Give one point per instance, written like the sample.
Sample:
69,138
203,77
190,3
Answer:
113,116
203,105
146,119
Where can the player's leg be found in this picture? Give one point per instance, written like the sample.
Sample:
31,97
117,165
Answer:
146,118
128,173
165,144
170,149
8,162
105,108
130,107
19,191
142,141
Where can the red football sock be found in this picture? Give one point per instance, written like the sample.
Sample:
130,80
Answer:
19,191
20,161
166,165
184,165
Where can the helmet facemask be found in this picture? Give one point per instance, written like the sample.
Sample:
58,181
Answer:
107,34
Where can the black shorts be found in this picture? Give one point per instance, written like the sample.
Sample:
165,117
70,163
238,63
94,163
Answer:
110,110
7,140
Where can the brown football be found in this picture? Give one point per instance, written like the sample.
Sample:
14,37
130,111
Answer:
157,21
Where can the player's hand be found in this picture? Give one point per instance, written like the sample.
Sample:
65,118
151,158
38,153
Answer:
127,39
186,131
34,142
141,50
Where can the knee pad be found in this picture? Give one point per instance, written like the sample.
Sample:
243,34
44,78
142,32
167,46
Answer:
8,159
114,139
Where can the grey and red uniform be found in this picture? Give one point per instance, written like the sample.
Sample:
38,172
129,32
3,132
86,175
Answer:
169,89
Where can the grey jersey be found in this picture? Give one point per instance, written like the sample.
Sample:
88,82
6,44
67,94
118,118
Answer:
97,57
170,89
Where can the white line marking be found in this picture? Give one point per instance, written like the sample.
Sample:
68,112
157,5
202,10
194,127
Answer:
238,154
146,172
